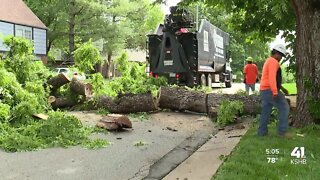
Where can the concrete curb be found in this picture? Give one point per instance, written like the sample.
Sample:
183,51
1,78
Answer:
177,155
204,163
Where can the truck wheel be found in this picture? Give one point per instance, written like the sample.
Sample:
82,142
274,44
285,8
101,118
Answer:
229,78
203,80
209,80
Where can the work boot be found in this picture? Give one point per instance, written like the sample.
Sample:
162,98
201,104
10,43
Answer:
286,135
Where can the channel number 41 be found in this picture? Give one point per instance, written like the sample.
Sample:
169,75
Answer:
272,155
298,156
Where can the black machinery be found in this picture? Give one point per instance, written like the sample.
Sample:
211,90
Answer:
189,58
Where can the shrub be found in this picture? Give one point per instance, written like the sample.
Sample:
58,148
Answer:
227,111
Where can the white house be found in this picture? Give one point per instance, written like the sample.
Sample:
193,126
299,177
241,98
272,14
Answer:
17,19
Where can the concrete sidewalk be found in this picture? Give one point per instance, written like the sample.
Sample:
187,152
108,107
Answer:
204,163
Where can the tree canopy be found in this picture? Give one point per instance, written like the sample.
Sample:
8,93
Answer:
121,23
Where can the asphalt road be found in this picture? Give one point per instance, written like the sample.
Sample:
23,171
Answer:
121,160
234,89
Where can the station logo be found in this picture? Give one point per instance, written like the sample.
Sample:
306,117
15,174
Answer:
298,156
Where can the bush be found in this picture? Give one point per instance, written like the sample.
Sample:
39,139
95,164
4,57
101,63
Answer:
22,94
227,111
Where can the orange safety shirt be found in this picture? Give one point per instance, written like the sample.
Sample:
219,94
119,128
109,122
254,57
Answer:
269,75
251,71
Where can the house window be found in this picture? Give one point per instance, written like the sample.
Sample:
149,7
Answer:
27,34
19,32
23,31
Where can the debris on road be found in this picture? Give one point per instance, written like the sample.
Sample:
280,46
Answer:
114,122
172,129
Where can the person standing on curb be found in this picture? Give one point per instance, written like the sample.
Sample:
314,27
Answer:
250,72
270,86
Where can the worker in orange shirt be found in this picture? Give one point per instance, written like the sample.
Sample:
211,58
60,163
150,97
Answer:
250,72
270,86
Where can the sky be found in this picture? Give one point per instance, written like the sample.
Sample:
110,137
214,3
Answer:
278,40
165,8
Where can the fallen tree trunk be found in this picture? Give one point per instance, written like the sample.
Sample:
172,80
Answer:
128,103
251,104
61,102
57,81
182,99
81,88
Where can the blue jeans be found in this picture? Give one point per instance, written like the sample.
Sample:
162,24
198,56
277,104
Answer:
250,86
268,102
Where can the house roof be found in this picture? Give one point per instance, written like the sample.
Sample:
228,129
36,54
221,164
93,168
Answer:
16,11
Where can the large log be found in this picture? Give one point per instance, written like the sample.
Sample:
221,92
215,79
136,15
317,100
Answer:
61,102
128,103
81,88
251,104
182,99
57,81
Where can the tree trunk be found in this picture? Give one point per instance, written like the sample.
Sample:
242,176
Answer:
308,57
81,88
98,68
182,99
72,17
62,102
106,66
58,81
251,104
128,103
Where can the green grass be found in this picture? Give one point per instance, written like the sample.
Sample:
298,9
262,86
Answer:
249,159
291,87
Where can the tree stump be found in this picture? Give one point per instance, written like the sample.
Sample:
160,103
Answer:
182,99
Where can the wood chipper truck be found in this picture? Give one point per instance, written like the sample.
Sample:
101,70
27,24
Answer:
189,58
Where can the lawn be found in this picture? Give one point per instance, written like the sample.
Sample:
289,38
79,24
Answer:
291,87
250,160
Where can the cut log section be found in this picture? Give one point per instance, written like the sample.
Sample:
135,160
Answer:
182,99
114,122
81,88
128,103
41,116
61,102
57,81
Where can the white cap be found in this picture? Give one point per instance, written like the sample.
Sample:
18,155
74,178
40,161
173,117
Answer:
280,48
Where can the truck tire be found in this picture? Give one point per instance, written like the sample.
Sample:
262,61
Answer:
229,78
203,80
209,80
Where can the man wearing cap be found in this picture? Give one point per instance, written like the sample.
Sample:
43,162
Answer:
270,86
250,72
